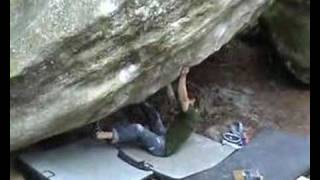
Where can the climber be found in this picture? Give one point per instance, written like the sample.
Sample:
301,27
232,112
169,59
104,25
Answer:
158,140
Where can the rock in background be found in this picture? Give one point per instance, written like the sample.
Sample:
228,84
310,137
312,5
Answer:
287,23
74,62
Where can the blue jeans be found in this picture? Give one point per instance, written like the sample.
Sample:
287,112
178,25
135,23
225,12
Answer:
152,139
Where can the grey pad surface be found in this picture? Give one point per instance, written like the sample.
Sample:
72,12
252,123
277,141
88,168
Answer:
277,155
83,160
197,154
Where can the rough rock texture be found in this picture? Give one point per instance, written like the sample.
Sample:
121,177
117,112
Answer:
74,62
288,26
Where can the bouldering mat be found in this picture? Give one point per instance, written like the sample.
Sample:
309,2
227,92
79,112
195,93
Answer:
197,154
277,155
83,160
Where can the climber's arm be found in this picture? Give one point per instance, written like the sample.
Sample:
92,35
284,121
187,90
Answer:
185,102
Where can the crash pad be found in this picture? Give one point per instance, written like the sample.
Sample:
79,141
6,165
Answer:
277,155
83,160
197,154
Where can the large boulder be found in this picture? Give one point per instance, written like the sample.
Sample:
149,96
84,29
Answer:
287,24
74,62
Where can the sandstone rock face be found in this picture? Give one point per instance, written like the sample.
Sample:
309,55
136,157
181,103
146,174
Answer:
288,26
74,62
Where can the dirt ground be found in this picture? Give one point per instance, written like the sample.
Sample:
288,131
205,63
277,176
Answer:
241,82
250,81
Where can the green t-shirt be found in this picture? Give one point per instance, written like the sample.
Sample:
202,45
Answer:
180,130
